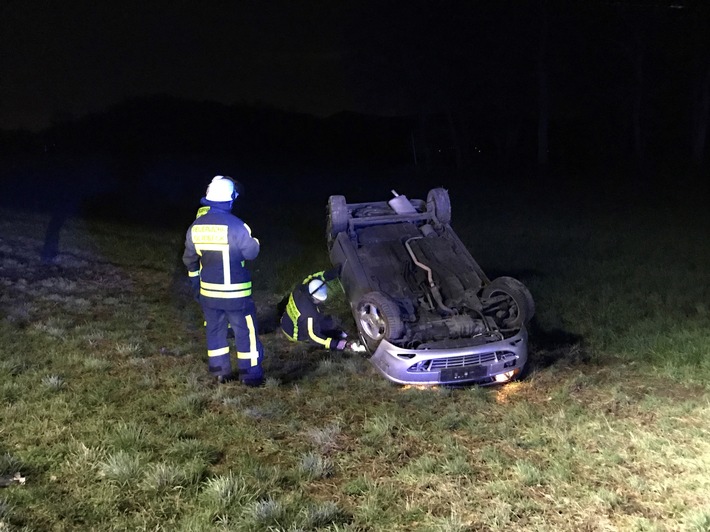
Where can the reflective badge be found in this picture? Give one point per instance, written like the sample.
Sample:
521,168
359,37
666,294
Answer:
209,234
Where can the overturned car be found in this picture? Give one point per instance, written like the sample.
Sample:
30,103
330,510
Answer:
424,308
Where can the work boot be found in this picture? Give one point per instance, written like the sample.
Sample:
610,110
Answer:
253,383
223,379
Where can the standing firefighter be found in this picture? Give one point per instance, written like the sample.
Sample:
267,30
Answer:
303,320
216,246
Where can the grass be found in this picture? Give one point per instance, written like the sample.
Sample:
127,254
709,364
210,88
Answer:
109,415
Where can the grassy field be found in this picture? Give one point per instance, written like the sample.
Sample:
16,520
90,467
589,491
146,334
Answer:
109,421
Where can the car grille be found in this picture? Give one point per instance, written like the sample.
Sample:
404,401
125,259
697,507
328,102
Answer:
437,364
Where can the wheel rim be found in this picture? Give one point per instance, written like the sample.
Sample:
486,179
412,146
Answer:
372,322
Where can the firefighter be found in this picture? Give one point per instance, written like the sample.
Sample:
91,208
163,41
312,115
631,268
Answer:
217,244
204,209
303,320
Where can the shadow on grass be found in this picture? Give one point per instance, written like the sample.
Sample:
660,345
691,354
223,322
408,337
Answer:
291,362
285,360
548,347
269,314
291,371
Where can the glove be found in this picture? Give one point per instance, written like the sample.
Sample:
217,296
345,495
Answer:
195,287
341,345
356,346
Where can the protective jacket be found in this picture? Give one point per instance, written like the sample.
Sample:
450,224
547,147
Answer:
216,246
303,319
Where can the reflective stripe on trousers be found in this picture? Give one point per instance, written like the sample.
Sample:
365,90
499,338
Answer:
250,351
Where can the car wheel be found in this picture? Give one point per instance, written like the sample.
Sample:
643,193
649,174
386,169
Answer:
516,308
337,217
378,319
438,201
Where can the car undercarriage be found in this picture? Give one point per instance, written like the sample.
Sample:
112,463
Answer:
423,306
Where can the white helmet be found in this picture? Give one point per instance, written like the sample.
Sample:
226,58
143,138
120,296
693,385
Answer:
221,189
318,290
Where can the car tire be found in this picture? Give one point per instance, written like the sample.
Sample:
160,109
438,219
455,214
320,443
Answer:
524,305
439,203
337,217
378,319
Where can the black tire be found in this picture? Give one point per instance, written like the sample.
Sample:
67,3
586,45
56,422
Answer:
438,201
378,319
337,217
522,309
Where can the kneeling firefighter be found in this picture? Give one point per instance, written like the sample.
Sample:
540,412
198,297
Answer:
217,244
303,320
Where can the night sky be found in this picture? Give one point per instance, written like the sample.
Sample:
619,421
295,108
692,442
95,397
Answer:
67,58
62,59
541,88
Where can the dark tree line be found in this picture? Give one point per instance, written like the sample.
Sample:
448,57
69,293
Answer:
542,82
161,147
538,90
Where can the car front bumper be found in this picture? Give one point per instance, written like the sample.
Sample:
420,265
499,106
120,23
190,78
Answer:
489,363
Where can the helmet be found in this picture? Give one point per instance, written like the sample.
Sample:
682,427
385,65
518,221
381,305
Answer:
221,188
318,290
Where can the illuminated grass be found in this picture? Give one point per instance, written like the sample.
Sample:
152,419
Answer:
267,512
698,521
193,449
53,328
96,364
109,407
9,464
313,465
81,459
193,403
128,349
53,382
227,491
165,477
122,468
320,515
128,436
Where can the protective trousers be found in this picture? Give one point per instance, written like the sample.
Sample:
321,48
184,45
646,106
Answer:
250,351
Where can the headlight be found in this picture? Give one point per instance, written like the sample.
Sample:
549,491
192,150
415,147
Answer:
505,377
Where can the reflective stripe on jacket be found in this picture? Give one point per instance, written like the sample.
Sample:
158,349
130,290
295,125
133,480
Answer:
303,321
216,246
